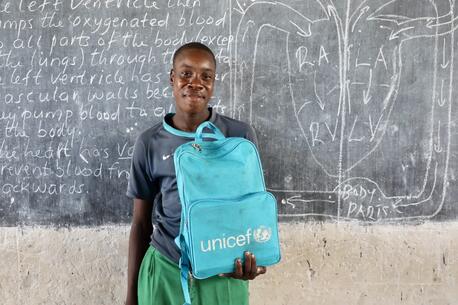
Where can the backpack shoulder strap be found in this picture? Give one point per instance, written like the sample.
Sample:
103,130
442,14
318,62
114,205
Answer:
184,275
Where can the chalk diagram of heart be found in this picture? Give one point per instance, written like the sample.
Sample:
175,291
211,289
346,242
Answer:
355,197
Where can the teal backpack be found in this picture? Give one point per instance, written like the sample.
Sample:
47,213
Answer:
225,207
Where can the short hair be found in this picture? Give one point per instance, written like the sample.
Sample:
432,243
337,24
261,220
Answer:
193,45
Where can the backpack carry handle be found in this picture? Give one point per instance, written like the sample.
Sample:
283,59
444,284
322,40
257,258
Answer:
200,135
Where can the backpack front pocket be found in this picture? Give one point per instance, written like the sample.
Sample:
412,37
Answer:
222,230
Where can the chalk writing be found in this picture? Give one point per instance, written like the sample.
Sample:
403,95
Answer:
351,100
81,79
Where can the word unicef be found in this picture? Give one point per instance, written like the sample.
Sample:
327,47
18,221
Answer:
259,235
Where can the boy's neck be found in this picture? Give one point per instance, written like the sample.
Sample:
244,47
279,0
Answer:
190,122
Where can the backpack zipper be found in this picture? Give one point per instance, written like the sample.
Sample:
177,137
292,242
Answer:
196,147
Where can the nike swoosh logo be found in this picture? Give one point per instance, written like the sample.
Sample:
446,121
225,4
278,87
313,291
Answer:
165,157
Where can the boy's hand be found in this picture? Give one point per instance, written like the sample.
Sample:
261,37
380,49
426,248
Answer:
249,270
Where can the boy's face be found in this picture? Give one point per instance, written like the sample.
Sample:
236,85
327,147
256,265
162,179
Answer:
192,79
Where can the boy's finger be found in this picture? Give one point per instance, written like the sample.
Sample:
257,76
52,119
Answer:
253,268
247,268
238,268
261,270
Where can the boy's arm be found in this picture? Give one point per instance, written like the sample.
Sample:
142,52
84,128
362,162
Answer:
139,238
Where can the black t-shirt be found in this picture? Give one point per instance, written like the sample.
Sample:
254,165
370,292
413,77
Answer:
152,175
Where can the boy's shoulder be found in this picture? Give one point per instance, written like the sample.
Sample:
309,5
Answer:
231,123
150,134
235,128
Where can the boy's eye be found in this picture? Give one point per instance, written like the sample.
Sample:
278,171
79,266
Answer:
186,74
207,76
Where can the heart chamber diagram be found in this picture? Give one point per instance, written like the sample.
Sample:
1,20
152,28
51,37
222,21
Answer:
352,102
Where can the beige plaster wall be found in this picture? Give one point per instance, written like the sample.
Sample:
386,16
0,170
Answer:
323,264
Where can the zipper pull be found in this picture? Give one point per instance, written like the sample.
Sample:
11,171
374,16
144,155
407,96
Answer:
196,147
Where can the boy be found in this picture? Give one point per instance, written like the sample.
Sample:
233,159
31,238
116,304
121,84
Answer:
153,273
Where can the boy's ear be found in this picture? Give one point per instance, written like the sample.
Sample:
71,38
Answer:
172,76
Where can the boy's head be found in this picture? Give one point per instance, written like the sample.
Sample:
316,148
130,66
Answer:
192,77
192,45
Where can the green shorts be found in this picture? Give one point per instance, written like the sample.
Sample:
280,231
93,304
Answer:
159,284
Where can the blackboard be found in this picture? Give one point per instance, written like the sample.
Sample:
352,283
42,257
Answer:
354,102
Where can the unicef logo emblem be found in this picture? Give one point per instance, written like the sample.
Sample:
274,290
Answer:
262,234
